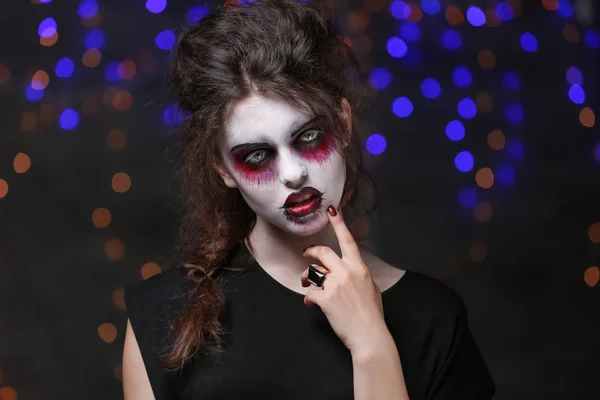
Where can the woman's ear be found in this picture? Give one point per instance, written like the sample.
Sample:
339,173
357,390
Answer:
225,175
347,115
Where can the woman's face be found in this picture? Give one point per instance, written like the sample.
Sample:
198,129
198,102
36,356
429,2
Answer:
271,150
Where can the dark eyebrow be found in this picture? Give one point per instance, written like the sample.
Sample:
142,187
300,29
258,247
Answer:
294,133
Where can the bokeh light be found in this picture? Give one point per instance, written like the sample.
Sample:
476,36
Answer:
431,6
464,161
515,149
431,88
504,11
475,16
165,40
574,76
592,39
455,130
149,270
156,6
402,107
396,47
121,182
410,31
376,144
484,178
528,42
462,76
21,163
577,94
380,78
101,218
587,117
94,38
565,9
69,119
591,276
496,139
451,39
400,9
64,68
511,80
87,8
505,174
196,13
467,108
467,197
515,114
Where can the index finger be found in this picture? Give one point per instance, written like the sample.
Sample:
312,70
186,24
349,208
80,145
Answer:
347,243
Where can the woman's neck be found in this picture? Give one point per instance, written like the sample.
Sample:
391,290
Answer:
273,248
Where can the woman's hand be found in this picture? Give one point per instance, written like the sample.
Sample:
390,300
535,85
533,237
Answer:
349,298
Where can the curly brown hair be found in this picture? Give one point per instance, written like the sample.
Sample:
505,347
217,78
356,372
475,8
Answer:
270,47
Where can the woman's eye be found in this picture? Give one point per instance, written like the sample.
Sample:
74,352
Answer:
309,136
256,157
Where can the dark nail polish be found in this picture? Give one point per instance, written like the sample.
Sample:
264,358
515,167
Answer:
331,210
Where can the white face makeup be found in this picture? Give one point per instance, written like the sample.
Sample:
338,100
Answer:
270,150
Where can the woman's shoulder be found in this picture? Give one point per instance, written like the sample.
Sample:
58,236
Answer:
427,295
160,293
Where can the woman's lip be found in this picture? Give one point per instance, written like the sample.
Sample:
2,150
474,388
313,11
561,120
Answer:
306,193
305,208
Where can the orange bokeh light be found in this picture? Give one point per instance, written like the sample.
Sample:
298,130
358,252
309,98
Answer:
591,276
114,249
150,269
107,332
121,182
116,140
49,41
118,299
123,100
483,212
28,121
478,252
91,58
486,59
3,188
21,163
416,14
454,16
485,178
48,113
496,139
40,80
127,69
571,33
101,217
594,233
4,73
485,102
551,5
587,117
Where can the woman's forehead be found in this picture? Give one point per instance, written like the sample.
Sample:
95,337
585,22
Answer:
263,117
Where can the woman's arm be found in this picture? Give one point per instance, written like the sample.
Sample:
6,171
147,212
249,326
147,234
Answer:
136,385
378,371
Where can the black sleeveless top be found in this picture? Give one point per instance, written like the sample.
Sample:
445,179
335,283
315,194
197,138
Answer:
278,348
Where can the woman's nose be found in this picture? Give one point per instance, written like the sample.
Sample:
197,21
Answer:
292,172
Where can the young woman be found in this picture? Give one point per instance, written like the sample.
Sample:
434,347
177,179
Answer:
275,299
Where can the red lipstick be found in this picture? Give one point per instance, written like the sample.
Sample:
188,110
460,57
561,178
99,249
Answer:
303,202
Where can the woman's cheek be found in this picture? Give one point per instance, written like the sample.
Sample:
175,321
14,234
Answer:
254,175
322,151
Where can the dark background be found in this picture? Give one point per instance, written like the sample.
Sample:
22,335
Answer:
524,256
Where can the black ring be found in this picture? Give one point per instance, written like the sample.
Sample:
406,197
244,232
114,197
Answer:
315,276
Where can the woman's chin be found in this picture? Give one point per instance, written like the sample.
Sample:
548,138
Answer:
307,225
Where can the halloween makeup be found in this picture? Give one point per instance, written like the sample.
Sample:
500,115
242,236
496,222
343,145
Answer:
272,150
